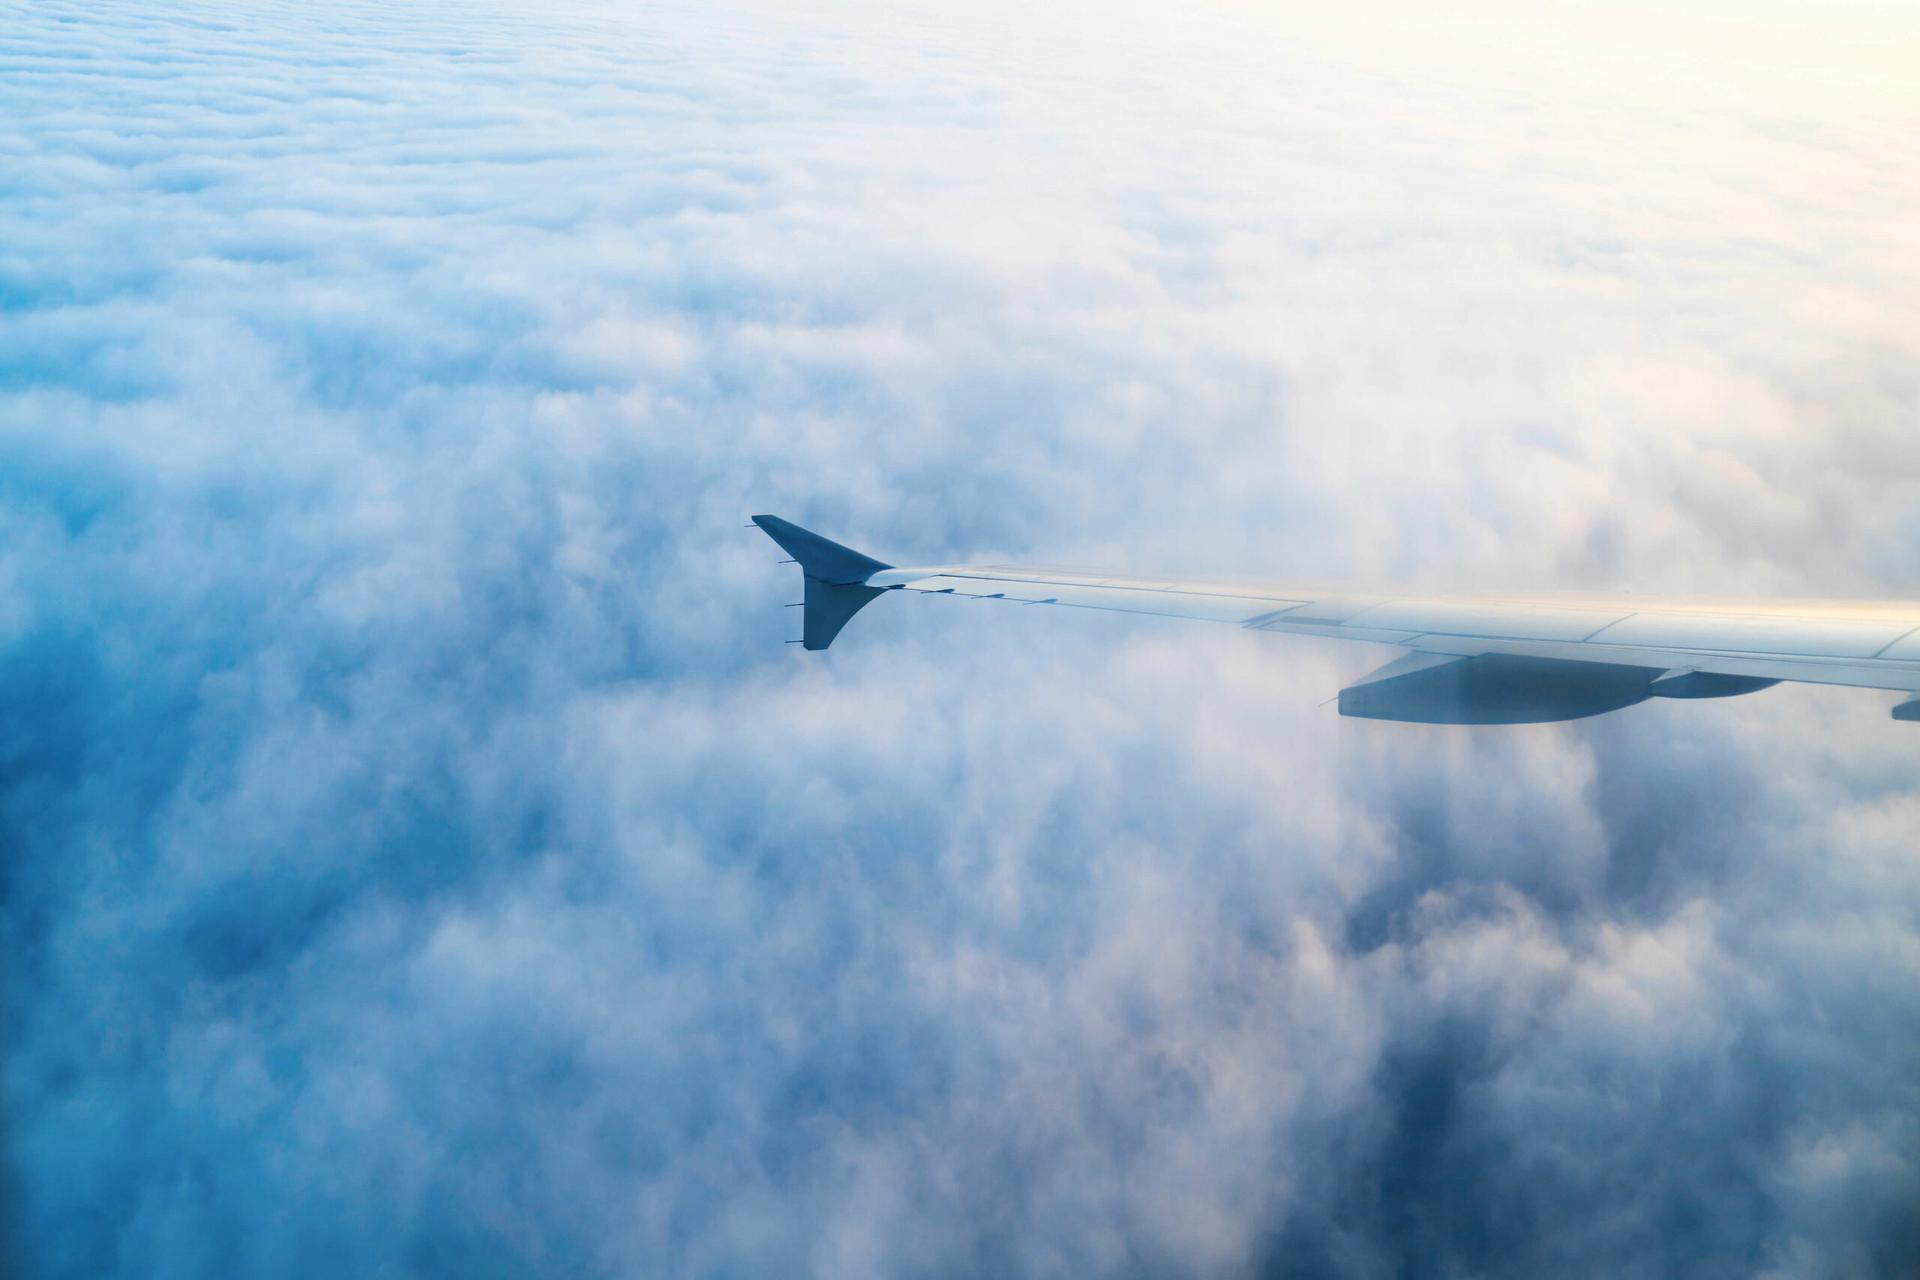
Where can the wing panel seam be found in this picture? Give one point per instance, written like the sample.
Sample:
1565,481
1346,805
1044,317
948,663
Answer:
1588,639
1896,640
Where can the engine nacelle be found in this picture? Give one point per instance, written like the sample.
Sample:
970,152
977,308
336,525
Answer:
1439,688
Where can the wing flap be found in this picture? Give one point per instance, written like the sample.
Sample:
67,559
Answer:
1809,636
1493,618
1861,673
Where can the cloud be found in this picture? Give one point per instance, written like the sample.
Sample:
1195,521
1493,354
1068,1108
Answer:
424,857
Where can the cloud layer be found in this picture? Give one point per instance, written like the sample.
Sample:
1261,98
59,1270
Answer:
423,857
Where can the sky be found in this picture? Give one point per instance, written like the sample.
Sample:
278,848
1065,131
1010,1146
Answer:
422,856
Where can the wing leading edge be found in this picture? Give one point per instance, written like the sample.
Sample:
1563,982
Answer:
1470,659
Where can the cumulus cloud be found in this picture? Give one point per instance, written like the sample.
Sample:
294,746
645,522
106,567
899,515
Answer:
424,857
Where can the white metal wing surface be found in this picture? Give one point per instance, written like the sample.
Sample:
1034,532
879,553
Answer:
1469,659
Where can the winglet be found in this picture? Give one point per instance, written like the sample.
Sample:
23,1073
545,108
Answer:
819,557
835,579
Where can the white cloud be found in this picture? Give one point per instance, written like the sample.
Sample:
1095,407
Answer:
432,860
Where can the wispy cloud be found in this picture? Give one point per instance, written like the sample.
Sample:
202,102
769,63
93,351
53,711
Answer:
423,856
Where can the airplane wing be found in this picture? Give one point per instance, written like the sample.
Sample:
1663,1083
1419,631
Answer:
1469,659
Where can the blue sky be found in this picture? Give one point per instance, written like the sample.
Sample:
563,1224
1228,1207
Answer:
423,857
